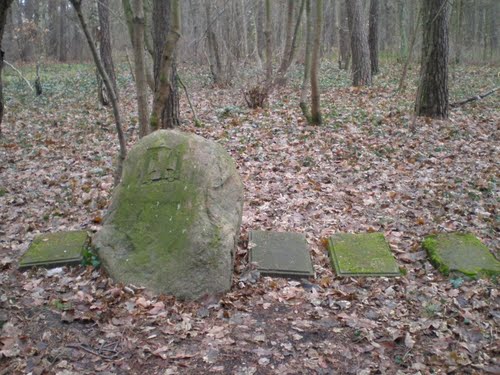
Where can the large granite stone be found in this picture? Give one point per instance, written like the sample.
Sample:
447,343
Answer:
175,217
460,252
55,250
362,254
281,254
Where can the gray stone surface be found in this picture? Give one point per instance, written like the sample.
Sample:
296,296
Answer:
55,250
281,254
174,219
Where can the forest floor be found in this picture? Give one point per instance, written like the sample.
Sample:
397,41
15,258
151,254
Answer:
363,170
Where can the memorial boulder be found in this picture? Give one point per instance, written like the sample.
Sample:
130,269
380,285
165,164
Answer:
174,219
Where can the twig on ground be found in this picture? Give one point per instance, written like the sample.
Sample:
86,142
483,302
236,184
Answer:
20,74
473,98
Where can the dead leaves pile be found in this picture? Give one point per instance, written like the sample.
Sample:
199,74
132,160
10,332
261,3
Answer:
364,170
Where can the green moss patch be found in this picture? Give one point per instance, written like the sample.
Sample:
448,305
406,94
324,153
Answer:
55,250
362,254
460,252
281,254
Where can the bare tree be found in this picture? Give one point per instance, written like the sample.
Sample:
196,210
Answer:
432,96
344,37
77,4
104,38
4,7
291,40
135,22
269,45
361,67
166,28
315,95
307,63
373,35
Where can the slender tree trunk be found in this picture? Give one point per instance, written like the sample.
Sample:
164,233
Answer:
4,8
361,67
432,96
135,21
77,4
269,45
373,35
61,45
214,55
344,37
105,49
289,54
288,36
315,95
307,63
259,33
166,25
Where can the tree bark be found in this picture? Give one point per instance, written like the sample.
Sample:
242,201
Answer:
105,49
135,21
432,96
373,35
315,95
4,8
344,37
269,45
290,51
61,45
77,5
166,26
307,63
361,67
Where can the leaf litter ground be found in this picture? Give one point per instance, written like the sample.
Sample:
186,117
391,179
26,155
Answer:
363,171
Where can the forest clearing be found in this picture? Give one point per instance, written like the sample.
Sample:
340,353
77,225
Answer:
370,166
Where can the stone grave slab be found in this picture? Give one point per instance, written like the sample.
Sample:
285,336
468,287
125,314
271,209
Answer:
362,254
55,250
281,254
460,252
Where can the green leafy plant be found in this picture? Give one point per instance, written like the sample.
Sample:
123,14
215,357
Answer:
90,259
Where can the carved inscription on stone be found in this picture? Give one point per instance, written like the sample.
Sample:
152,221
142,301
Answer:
162,164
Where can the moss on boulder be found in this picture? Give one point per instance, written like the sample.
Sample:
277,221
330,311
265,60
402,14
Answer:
175,217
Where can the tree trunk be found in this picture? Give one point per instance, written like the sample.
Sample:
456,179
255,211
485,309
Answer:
361,67
307,63
290,50
4,8
315,96
373,35
214,55
61,45
105,50
135,21
269,44
432,96
344,37
166,27
77,4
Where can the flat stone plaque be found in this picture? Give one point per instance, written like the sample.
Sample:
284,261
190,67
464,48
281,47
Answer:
362,254
55,250
460,252
281,254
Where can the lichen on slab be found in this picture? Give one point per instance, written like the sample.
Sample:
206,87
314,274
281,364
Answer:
362,254
55,249
460,252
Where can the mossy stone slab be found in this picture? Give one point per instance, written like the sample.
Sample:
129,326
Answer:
55,250
460,252
281,254
362,254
